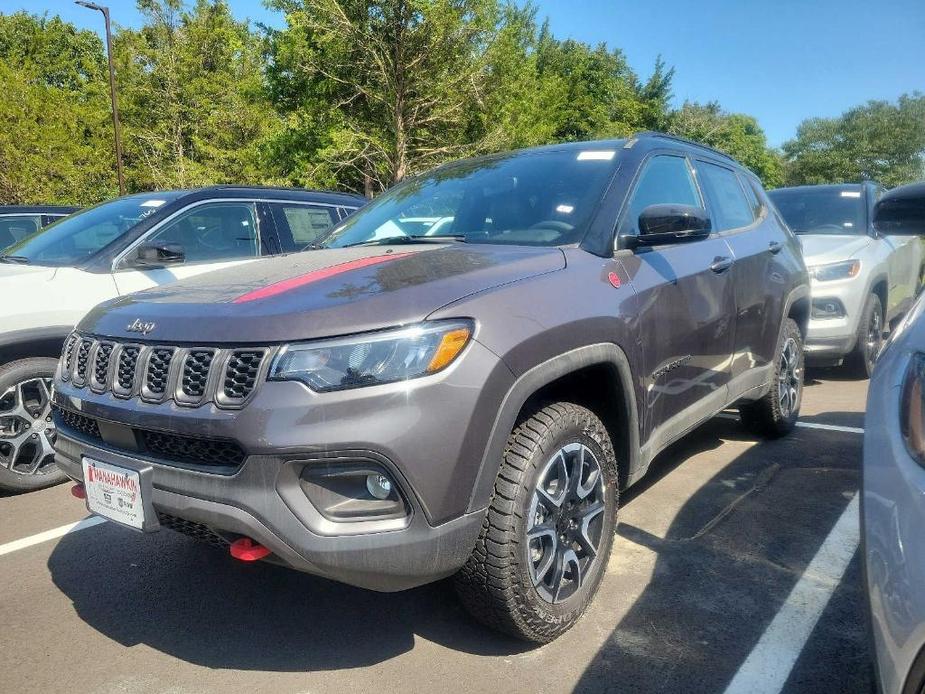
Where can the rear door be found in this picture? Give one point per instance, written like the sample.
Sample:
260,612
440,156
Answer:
686,307
213,235
301,224
756,240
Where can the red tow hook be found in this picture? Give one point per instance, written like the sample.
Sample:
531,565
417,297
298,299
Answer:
79,491
246,549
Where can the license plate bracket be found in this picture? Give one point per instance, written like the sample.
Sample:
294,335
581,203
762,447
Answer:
121,493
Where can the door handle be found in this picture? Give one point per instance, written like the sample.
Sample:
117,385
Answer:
775,247
721,264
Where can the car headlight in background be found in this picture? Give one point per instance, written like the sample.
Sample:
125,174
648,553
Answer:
373,358
836,271
912,408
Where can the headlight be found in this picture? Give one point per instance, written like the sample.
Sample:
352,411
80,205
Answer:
373,358
912,408
836,271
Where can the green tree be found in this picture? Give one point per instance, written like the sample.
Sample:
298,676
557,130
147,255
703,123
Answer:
193,95
878,141
736,134
55,141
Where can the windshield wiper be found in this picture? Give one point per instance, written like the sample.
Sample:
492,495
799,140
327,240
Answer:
20,259
420,238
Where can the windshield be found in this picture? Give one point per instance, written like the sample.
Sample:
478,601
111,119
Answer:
526,198
822,210
76,238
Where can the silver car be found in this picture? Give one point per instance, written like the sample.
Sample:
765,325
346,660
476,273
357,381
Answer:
862,280
893,499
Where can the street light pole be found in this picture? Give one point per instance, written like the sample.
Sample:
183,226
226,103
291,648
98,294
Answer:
112,90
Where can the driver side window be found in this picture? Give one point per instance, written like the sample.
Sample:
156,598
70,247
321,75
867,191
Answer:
665,179
213,232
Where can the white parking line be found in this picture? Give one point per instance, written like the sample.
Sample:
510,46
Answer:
830,427
53,534
768,666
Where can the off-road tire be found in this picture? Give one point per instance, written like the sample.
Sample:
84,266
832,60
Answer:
770,417
10,375
495,583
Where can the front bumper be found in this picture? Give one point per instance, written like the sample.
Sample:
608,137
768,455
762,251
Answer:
428,434
830,339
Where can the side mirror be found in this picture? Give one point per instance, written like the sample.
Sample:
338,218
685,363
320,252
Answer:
160,254
662,224
901,211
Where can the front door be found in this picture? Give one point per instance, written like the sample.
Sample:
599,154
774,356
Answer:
686,308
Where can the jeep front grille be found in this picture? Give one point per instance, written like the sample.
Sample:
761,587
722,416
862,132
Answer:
189,376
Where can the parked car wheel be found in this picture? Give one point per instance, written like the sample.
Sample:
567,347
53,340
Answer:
777,412
870,338
548,532
27,432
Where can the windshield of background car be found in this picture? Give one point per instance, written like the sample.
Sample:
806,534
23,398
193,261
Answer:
76,238
822,210
528,198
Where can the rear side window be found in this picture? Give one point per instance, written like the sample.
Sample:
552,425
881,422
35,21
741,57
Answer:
731,208
300,225
751,193
665,179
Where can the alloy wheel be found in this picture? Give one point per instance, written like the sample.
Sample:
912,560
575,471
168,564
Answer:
789,378
27,432
874,338
565,522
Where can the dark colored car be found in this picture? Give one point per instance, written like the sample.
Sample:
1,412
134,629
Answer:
400,407
51,278
18,221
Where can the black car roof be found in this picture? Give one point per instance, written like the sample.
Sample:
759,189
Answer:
826,186
270,193
37,209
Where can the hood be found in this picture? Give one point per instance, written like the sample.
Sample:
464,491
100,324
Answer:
317,293
819,249
12,271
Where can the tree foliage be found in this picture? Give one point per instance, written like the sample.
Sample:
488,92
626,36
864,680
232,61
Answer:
878,141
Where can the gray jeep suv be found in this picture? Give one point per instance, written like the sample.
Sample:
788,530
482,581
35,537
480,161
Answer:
459,380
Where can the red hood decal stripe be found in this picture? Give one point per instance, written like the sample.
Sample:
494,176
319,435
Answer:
315,276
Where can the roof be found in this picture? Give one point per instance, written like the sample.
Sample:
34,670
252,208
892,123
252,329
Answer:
36,209
823,186
271,192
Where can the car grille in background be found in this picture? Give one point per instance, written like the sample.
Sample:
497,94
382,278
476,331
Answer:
220,455
156,373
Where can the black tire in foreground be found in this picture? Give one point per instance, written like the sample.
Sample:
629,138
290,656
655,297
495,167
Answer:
869,339
777,412
26,430
546,538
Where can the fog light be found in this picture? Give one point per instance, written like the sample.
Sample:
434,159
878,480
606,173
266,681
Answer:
828,308
379,486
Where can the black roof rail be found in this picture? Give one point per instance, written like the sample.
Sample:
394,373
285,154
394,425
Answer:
684,140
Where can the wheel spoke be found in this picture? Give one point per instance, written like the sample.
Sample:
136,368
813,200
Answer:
583,538
568,560
546,560
43,449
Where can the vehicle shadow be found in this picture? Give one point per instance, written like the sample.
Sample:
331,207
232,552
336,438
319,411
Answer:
726,564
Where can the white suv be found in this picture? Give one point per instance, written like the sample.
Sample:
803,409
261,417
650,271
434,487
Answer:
862,281
50,279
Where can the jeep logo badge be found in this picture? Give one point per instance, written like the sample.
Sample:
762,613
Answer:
140,326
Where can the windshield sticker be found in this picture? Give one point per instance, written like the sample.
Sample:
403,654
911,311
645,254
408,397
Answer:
596,155
565,209
153,203
851,193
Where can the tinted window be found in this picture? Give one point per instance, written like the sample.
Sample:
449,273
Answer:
752,194
300,225
83,234
544,198
731,209
665,180
213,232
13,229
822,209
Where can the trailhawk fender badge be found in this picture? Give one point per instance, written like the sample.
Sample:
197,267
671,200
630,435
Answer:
141,326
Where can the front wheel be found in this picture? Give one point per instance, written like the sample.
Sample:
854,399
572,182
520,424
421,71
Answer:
869,339
27,432
546,537
776,413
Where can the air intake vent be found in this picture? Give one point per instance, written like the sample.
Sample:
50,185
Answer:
99,379
196,373
241,374
83,361
125,372
67,356
158,373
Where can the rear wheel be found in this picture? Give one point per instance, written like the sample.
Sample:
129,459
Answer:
27,432
869,339
776,413
547,535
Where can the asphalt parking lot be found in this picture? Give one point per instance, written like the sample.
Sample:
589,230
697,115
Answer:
726,555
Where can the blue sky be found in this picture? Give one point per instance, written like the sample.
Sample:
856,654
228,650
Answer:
779,60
